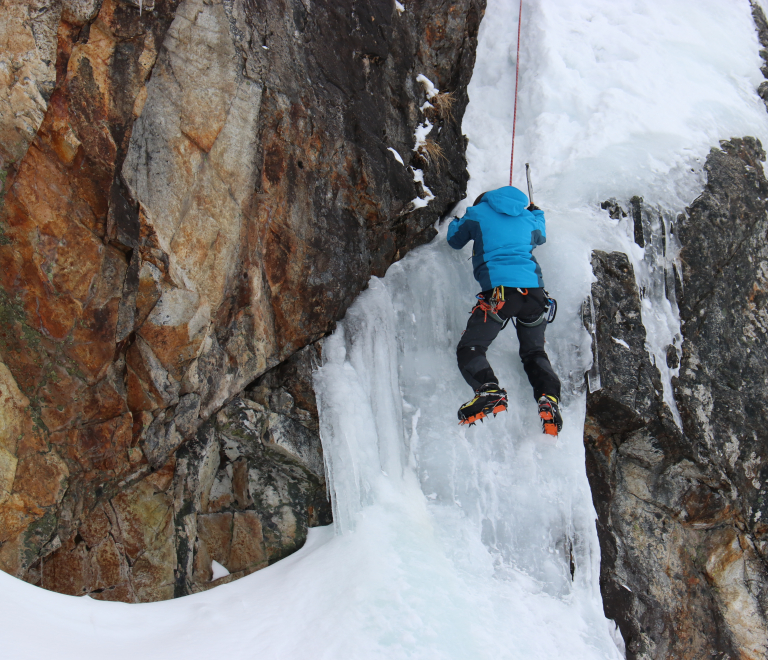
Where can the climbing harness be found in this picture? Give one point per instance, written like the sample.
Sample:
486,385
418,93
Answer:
548,315
551,307
491,308
517,74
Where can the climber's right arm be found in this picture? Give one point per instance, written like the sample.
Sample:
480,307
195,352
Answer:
459,232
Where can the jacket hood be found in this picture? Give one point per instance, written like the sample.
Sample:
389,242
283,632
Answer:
507,200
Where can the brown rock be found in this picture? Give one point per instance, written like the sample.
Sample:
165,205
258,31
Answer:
144,518
67,570
79,12
16,514
214,533
221,495
189,213
95,527
240,483
141,393
8,463
175,329
27,73
13,411
122,593
107,567
152,574
247,543
103,446
732,567
41,478
161,479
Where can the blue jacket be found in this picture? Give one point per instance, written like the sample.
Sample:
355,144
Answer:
505,233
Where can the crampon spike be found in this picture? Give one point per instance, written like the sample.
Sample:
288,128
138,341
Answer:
550,429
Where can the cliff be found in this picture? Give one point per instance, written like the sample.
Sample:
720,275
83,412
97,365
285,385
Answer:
682,506
193,192
682,510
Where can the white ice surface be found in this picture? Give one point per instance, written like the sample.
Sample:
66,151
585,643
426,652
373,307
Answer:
456,543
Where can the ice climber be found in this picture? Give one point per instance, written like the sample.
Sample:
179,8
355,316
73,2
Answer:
505,233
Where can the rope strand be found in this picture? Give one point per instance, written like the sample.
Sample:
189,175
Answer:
517,73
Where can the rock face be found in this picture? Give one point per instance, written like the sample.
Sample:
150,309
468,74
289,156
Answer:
681,512
27,74
242,492
195,190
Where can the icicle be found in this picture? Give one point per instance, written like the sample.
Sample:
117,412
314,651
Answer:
588,319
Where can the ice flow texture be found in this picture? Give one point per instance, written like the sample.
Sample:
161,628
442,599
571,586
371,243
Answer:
513,513
388,393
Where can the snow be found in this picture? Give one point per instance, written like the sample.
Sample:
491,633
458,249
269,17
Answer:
397,156
400,8
421,202
620,342
429,87
218,571
420,134
452,542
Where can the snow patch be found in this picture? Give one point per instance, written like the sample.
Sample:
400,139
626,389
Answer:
420,135
620,342
218,571
397,156
429,87
421,202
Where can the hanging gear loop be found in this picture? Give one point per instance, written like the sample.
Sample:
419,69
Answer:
517,75
491,307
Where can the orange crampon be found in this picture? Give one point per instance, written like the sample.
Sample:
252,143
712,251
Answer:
549,412
490,399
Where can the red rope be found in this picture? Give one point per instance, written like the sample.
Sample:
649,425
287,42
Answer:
517,73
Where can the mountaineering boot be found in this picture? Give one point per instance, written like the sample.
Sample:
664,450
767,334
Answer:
549,411
489,398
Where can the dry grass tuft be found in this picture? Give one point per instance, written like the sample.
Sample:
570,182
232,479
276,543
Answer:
432,153
443,103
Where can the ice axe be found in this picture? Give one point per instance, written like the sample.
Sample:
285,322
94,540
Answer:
530,187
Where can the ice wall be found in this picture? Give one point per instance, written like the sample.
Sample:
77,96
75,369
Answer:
511,512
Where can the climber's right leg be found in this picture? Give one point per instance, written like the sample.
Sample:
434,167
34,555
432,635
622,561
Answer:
470,353
489,398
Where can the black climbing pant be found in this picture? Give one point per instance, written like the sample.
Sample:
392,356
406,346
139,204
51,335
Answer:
482,329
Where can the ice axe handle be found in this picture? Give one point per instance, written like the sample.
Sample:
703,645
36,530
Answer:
528,179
